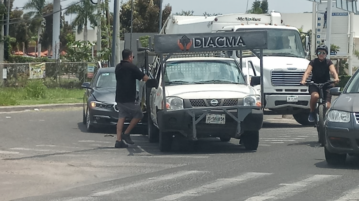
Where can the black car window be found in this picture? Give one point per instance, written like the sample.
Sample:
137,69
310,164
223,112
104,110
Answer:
106,80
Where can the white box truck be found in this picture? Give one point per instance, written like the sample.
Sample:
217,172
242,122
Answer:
285,60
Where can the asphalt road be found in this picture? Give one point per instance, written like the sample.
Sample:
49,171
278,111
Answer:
48,156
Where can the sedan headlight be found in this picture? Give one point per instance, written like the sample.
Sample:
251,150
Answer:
97,104
252,101
338,116
174,103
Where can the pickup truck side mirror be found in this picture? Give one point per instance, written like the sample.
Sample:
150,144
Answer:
86,85
255,80
335,91
150,83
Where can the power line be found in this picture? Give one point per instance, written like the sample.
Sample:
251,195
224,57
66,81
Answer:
44,15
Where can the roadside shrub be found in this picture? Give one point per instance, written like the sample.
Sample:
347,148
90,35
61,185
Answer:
35,89
7,99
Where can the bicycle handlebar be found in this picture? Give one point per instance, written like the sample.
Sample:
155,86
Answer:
308,83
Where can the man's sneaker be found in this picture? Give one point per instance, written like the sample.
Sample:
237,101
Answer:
311,117
120,144
127,138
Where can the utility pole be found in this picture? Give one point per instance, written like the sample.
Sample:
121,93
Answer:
313,40
115,43
329,26
131,24
8,17
99,26
56,21
1,49
160,18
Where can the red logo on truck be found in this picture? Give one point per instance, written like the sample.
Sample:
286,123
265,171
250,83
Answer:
184,43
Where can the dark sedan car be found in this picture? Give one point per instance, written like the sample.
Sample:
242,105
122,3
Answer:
342,123
99,106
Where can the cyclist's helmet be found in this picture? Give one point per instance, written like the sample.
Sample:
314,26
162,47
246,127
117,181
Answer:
322,47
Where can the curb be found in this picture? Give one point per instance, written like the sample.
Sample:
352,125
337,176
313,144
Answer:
37,107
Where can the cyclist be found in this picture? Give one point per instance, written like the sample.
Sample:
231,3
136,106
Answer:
320,68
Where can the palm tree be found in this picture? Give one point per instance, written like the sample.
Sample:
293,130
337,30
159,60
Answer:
85,12
36,8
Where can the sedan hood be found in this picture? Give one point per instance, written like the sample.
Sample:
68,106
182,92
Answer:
209,91
347,103
106,95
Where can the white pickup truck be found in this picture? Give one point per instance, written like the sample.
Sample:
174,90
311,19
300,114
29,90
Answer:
203,95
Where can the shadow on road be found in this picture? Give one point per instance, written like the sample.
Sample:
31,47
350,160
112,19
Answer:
313,144
282,125
352,163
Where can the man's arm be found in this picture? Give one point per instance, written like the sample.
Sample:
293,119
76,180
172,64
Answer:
306,74
334,73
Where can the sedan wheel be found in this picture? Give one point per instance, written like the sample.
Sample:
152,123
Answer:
89,127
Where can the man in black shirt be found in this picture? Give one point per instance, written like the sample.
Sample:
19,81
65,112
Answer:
126,76
320,68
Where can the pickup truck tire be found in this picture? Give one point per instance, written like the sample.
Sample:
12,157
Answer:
225,139
302,118
250,140
165,141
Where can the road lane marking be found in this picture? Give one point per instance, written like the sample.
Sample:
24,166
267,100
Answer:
148,182
288,190
174,156
215,186
279,140
350,195
8,152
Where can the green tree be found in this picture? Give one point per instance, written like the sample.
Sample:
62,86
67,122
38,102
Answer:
145,16
36,8
259,7
85,12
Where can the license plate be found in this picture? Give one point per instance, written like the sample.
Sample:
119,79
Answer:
292,99
216,119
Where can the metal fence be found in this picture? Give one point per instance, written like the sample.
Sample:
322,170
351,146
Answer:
64,75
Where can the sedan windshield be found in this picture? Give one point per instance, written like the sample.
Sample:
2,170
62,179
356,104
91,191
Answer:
106,80
354,85
202,72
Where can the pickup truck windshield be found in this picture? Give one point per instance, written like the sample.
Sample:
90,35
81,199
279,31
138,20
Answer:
202,72
282,42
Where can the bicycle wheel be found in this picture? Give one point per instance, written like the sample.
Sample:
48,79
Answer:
322,110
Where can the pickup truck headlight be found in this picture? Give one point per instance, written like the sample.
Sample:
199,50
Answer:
338,116
252,101
174,103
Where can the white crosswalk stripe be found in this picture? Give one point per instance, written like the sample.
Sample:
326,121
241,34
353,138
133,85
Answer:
284,191
288,190
148,181
215,186
352,195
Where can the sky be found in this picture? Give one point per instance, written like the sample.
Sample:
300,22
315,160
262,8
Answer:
212,6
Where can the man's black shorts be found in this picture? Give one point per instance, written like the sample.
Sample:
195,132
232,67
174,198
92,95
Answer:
326,94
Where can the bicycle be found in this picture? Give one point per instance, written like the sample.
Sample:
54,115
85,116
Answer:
320,109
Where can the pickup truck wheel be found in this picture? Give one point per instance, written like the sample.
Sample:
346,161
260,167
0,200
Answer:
333,158
165,141
250,140
302,118
225,139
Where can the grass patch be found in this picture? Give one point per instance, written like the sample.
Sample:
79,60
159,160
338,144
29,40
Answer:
36,94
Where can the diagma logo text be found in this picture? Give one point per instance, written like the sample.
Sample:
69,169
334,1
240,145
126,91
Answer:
186,43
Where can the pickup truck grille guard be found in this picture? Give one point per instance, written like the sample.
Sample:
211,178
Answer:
242,113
